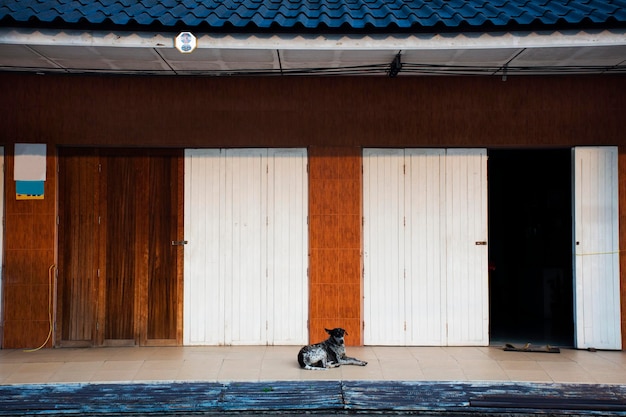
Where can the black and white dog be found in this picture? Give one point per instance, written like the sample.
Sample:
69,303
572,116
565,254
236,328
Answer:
330,353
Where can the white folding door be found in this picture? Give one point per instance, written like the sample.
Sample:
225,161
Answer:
596,248
383,246
246,253
425,232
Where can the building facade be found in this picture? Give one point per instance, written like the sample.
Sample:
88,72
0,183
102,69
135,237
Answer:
310,160
418,173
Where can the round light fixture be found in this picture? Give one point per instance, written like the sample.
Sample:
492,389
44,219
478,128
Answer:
185,42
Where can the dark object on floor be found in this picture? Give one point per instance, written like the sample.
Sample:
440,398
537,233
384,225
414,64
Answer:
530,348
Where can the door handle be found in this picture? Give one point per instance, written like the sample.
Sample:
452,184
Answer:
481,243
179,242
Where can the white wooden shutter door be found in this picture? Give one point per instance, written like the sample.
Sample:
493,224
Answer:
596,248
425,233
204,290
467,257
287,247
383,241
425,244
247,252
244,238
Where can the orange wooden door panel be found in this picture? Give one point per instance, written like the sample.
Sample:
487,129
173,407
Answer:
119,275
78,255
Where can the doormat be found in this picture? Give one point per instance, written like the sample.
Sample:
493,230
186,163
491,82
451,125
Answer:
530,348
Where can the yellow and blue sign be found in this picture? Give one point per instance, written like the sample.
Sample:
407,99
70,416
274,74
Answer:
29,190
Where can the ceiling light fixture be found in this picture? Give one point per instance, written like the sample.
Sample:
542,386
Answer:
185,42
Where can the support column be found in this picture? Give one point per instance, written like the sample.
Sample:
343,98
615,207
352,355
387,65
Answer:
335,242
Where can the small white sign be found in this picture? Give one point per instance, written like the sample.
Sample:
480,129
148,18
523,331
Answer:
185,42
30,162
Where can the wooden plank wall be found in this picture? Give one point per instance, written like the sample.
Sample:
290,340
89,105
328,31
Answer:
335,291
303,112
28,256
334,117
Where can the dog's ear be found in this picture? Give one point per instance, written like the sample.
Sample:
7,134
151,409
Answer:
328,331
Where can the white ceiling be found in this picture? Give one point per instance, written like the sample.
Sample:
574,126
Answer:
299,58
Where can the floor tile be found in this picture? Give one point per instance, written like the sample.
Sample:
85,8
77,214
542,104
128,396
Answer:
434,374
532,375
459,353
125,365
372,371
240,370
401,370
113,376
258,363
7,369
200,370
33,372
526,365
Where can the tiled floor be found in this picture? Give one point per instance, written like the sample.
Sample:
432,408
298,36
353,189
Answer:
278,363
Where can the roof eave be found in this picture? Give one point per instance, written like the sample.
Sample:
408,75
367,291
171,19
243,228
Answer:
421,41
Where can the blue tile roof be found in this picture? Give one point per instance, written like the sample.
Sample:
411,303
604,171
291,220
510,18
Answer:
382,15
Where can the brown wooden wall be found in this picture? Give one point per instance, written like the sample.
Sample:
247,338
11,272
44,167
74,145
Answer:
335,242
325,111
334,117
29,254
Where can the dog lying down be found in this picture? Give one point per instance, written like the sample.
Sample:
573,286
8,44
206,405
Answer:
330,353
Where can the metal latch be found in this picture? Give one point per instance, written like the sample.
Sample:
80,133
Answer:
179,242
481,243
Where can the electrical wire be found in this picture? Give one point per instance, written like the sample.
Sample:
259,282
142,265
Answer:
408,68
49,310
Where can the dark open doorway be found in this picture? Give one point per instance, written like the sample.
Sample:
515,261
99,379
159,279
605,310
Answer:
530,247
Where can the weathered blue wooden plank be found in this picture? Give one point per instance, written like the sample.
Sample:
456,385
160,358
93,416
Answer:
564,397
405,396
312,396
482,397
108,398
291,395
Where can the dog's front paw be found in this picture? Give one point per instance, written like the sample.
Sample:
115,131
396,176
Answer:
363,363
